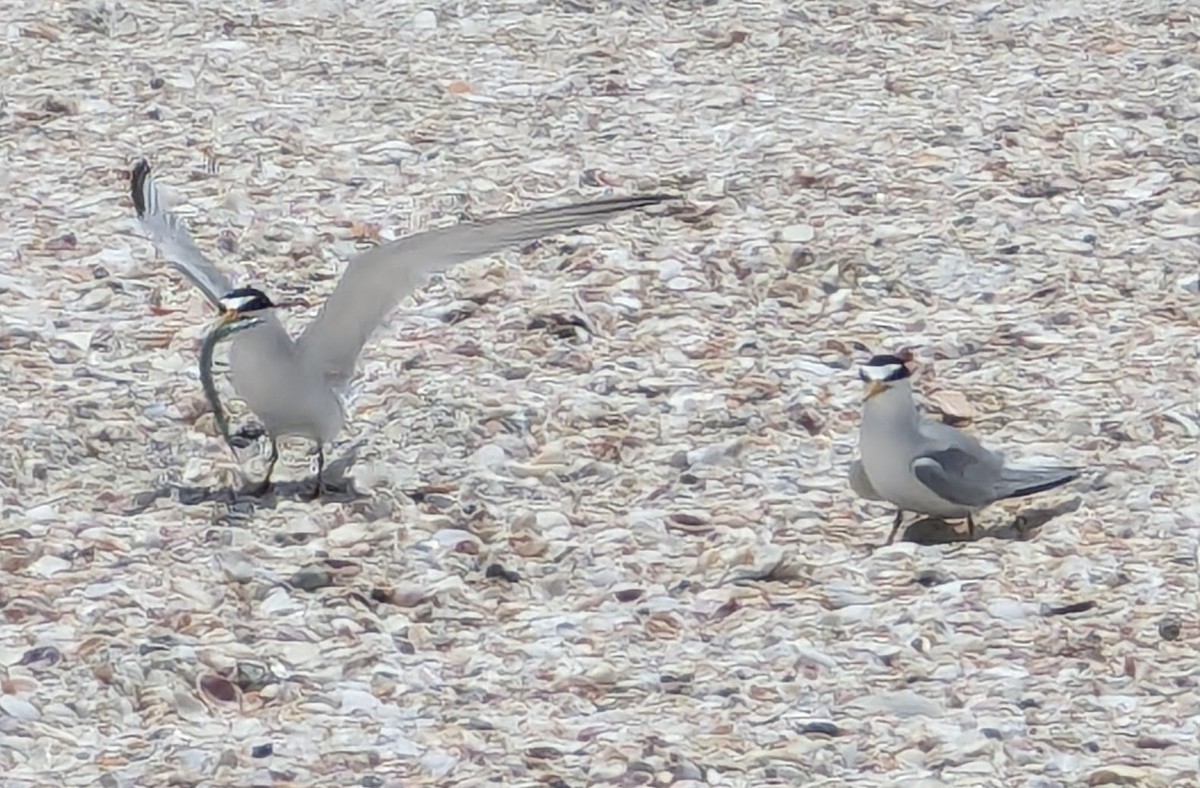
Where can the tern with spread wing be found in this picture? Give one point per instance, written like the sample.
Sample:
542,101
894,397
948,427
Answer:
294,385
926,467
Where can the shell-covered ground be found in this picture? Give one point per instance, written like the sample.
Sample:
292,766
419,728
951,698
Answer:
599,530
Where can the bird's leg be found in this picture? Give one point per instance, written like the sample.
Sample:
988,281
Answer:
246,435
895,526
970,527
265,484
319,490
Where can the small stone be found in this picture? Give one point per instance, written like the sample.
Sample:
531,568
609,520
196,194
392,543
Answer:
19,708
42,656
1008,609
425,19
498,571
219,689
1066,610
684,283
953,405
1153,743
96,298
932,577
1117,774
236,566
820,729
347,535
311,578
1169,629
408,595
49,565
629,594
489,455
798,233
358,700
41,514
262,750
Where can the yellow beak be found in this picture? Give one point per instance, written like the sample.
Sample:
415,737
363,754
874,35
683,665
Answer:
226,316
875,388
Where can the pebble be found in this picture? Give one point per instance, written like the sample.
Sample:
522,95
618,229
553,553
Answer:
19,708
798,233
347,535
43,513
425,19
1008,609
901,704
820,729
49,565
1117,774
684,283
358,700
96,298
311,578
489,455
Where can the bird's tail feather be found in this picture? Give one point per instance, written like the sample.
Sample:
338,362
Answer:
1019,482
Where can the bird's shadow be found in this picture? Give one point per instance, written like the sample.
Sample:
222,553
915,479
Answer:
338,489
933,531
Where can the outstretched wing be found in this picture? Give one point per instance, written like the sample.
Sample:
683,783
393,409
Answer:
171,238
375,281
961,477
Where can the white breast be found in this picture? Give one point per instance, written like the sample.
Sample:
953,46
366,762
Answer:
288,396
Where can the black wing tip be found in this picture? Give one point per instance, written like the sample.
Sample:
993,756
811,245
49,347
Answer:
640,200
598,209
633,201
1069,475
137,186
659,197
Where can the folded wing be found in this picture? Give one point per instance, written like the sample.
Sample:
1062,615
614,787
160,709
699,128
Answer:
960,477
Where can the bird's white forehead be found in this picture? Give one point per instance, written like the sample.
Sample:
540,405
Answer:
880,373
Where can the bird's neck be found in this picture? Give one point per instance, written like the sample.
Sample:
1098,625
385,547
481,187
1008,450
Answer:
892,411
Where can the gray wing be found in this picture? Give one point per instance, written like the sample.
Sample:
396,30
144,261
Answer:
171,238
962,477
375,281
861,484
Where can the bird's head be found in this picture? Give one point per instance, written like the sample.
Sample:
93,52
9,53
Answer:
244,307
882,373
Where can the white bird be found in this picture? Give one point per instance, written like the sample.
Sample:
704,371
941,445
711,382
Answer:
927,467
294,386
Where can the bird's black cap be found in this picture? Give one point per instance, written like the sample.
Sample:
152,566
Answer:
885,368
246,299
